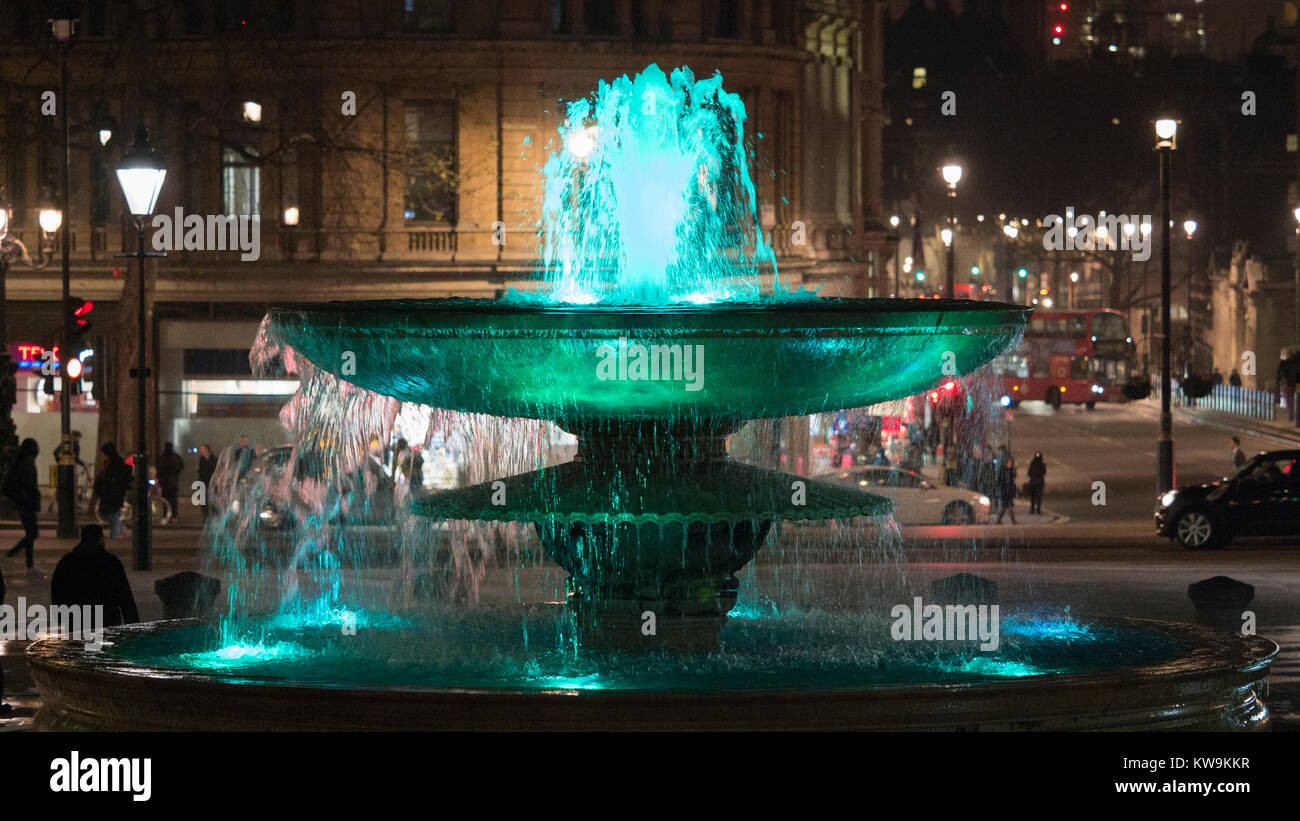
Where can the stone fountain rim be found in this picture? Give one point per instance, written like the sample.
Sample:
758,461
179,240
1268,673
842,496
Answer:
1208,650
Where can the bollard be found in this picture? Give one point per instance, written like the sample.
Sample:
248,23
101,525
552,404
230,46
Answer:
964,588
187,595
1219,602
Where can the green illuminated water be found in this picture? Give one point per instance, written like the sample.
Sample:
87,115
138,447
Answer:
649,198
529,650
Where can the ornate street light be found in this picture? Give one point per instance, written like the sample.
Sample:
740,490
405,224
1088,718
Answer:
141,174
1166,140
951,176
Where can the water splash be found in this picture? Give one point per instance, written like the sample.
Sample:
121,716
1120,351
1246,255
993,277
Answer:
650,198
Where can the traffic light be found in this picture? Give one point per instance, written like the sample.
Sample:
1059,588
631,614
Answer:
1022,273
79,311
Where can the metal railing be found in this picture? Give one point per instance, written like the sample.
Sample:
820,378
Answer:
1228,399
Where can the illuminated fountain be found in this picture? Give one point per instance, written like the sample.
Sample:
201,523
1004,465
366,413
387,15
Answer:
665,330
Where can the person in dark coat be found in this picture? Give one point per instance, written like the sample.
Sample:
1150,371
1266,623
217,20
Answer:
170,465
1006,485
207,467
20,486
1037,479
111,486
6,711
90,575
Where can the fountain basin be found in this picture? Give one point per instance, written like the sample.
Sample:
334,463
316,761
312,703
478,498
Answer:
1192,678
540,360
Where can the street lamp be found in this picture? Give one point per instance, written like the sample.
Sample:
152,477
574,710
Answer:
895,238
1189,228
1166,137
141,175
951,176
1297,298
50,218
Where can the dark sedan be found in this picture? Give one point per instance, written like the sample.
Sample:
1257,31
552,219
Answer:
1262,498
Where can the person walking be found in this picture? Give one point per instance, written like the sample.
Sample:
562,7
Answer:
20,486
111,486
1037,479
1006,486
170,465
207,467
1234,379
1238,458
90,575
6,710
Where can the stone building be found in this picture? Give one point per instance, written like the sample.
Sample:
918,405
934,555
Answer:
390,148
1254,309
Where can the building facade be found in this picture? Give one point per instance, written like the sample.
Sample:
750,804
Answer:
388,149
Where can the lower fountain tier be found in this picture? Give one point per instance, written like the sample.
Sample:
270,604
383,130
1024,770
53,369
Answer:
671,532
1216,682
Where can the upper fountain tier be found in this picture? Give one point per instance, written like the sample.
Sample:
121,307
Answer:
653,257
739,360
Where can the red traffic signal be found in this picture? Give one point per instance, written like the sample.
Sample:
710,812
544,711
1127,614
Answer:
83,310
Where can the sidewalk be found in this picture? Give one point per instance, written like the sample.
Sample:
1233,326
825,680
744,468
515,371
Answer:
1282,429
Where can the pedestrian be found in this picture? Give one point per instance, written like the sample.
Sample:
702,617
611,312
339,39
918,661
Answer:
1006,486
243,457
111,486
76,449
20,486
1234,379
881,460
6,711
170,465
1238,458
1037,479
1217,377
207,467
417,470
90,575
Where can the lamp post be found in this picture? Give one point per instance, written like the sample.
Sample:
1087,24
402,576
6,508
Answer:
951,175
1166,134
1012,231
1189,228
1295,395
62,27
1298,278
896,239
141,174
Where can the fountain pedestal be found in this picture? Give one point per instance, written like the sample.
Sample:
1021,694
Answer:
652,518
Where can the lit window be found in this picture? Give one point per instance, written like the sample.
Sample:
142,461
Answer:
431,167
918,77
252,112
1292,143
241,183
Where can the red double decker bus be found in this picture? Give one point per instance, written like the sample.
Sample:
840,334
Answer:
1068,357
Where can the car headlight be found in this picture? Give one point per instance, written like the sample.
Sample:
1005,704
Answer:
984,500
1168,498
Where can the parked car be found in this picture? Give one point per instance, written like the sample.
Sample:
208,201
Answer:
1261,498
917,500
